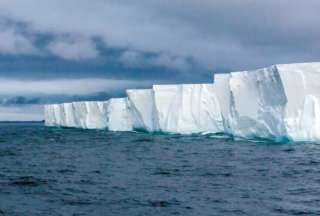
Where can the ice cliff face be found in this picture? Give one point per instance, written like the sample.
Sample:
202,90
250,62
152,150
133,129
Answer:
302,89
112,114
257,104
191,108
142,109
281,101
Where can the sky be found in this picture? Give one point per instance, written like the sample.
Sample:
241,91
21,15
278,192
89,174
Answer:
71,50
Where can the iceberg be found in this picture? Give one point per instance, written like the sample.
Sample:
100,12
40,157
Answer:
277,102
142,109
302,89
187,108
113,115
118,115
257,104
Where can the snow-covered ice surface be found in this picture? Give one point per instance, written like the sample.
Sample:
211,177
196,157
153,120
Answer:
278,102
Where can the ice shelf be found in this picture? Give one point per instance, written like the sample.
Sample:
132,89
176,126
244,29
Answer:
277,102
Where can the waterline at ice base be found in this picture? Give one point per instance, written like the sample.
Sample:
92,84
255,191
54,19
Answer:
275,103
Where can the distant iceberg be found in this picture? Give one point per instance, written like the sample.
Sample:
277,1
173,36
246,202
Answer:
281,101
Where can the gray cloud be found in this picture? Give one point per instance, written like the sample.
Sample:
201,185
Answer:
67,87
18,100
137,60
73,48
215,34
13,43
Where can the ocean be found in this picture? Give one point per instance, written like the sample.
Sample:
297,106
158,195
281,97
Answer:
61,171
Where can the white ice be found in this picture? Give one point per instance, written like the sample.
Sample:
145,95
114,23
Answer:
280,101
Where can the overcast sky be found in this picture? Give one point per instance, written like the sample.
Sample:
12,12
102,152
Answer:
93,49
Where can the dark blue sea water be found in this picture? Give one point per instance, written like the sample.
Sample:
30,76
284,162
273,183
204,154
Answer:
54,171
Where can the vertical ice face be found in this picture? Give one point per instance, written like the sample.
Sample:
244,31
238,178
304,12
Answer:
302,88
119,117
221,89
58,114
96,117
142,108
70,120
308,127
112,114
167,102
257,104
189,108
80,114
200,110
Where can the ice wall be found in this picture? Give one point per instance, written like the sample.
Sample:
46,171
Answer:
302,89
119,117
281,101
112,114
142,109
257,104
221,88
188,108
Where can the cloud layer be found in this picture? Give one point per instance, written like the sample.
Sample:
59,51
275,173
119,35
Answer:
15,43
213,34
67,87
73,48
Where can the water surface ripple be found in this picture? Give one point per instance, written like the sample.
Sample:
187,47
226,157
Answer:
54,171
